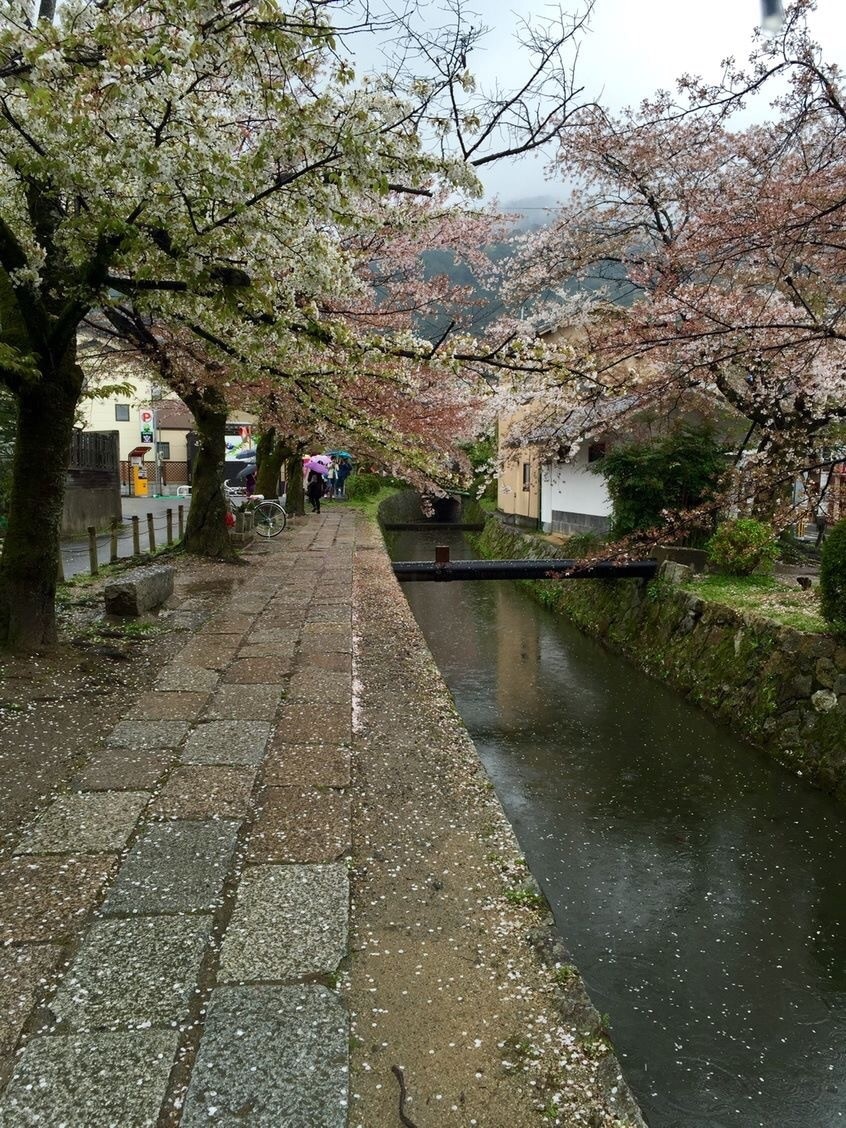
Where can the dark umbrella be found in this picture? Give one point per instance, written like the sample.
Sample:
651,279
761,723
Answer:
250,468
240,455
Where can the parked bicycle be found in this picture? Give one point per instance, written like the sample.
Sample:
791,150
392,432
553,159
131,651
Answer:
269,515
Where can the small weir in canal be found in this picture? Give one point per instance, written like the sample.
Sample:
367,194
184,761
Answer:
700,888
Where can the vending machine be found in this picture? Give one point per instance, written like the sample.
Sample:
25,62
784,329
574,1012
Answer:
138,484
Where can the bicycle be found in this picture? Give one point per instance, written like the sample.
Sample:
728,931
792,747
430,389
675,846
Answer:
269,516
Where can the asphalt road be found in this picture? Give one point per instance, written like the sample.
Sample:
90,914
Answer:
75,549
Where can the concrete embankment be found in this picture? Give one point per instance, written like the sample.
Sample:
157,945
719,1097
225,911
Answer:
782,689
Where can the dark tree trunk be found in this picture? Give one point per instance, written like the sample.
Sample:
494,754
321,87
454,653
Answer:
270,453
30,562
295,503
206,531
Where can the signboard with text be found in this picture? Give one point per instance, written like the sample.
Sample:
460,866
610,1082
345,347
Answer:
147,418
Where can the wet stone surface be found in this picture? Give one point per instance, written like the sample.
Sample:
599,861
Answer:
199,791
142,735
45,898
297,824
133,972
279,1052
314,724
169,705
191,679
256,703
289,922
306,765
227,742
259,671
88,822
175,867
314,684
116,1080
122,768
24,971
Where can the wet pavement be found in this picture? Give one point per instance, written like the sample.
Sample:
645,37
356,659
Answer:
178,894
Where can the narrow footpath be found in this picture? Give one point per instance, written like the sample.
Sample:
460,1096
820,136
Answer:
282,893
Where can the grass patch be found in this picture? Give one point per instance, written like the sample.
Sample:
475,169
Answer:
369,505
773,599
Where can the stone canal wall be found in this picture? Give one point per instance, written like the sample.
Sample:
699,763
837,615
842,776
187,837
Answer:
782,689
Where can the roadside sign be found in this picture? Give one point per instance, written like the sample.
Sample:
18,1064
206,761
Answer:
147,418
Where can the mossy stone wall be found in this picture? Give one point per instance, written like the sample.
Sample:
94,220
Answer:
780,688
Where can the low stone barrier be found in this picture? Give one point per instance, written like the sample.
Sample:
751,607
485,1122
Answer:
142,589
782,689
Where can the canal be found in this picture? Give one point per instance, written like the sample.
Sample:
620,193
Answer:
699,887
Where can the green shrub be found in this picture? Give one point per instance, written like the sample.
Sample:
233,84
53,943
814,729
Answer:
833,576
743,546
360,486
582,544
674,473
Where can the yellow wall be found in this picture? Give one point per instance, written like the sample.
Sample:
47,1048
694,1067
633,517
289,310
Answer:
511,496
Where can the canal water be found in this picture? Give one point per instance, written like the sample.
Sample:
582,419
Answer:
700,889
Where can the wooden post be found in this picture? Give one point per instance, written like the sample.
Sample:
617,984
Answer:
136,537
442,554
60,572
180,517
113,546
92,550
169,519
151,532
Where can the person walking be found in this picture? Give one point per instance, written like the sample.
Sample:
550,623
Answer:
332,479
314,489
344,471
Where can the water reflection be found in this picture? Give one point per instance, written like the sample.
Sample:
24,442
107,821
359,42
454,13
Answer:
700,888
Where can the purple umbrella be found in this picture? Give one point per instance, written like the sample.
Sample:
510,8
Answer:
317,466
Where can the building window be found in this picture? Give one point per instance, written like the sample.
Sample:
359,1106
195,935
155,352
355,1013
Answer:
163,451
596,451
121,412
527,476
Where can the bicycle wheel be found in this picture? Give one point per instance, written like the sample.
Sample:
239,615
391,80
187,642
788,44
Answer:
269,518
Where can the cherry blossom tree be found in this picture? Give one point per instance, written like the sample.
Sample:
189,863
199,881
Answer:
711,258
207,158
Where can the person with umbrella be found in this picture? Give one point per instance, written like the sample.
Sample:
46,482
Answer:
344,471
314,486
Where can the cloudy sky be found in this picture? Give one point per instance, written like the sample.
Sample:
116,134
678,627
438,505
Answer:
633,48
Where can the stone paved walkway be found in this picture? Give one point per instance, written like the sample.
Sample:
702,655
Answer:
191,888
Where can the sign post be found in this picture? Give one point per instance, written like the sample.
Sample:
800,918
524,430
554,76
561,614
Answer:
149,434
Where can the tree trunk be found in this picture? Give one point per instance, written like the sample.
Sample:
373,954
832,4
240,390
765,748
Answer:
270,454
206,531
30,562
295,503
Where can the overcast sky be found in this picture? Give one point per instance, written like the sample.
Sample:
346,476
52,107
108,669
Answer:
635,47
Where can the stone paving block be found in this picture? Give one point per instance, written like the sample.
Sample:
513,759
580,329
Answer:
262,635
167,705
228,624
249,604
280,1052
259,671
289,922
90,1081
141,735
330,613
127,769
300,824
313,656
267,649
212,652
175,867
86,822
330,638
245,703
312,683
190,678
200,791
24,972
227,742
137,972
45,898
306,765
314,724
